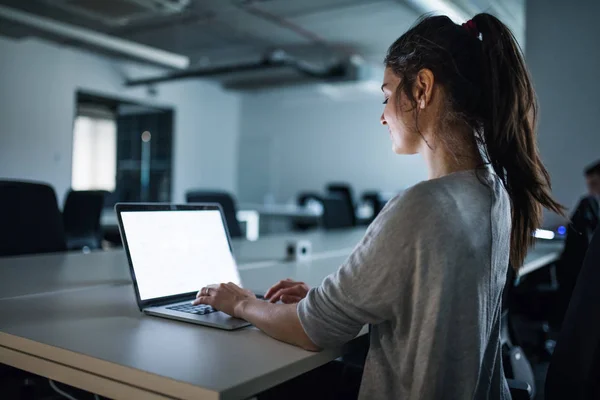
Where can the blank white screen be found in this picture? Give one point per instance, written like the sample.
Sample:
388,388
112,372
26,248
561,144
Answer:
175,252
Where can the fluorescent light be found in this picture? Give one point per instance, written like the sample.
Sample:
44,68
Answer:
440,7
106,42
544,234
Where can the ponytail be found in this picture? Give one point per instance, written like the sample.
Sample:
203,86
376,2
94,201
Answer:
509,133
481,68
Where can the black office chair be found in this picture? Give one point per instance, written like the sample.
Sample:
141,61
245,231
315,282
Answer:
373,199
567,272
227,203
303,199
81,215
337,213
344,190
517,368
31,222
574,371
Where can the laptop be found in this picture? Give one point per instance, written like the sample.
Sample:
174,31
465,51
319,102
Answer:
174,251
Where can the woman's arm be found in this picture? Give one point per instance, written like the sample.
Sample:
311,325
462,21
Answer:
277,320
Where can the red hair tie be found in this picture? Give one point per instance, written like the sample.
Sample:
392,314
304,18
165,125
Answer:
471,27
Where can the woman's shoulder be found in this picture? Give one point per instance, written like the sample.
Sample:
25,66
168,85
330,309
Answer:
449,186
444,197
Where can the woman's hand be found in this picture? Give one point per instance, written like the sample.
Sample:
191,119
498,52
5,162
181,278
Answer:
226,297
288,291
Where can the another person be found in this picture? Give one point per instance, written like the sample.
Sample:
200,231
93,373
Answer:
584,221
587,214
428,274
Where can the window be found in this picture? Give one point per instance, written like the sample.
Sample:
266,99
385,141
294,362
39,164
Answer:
94,153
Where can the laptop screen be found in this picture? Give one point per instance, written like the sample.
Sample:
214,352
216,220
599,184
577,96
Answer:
176,252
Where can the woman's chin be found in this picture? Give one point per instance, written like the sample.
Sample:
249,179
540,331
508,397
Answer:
400,150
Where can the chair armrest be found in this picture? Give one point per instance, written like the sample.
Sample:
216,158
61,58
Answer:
519,390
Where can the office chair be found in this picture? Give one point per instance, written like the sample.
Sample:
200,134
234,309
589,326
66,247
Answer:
344,191
517,368
574,371
81,215
227,203
374,200
303,199
567,272
31,220
337,213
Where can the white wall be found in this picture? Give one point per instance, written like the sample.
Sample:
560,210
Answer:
38,84
313,135
564,58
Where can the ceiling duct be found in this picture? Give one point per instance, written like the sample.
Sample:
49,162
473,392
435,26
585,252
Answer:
115,13
95,40
275,70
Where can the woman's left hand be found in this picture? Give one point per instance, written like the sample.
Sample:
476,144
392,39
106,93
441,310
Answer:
225,297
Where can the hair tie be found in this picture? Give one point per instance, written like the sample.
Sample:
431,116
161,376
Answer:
471,27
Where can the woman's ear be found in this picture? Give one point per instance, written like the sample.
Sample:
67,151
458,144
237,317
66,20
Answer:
423,88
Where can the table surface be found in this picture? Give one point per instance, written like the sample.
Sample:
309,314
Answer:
92,323
79,310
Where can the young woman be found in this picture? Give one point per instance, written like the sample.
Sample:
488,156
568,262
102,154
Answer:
429,273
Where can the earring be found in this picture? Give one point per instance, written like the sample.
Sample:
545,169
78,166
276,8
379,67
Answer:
422,104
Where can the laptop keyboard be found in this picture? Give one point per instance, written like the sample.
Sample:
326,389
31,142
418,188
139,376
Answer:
191,309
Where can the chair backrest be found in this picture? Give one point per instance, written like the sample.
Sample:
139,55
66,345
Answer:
345,191
304,197
81,215
375,201
515,363
303,200
337,214
227,203
574,369
30,221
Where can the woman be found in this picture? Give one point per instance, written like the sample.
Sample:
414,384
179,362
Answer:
429,273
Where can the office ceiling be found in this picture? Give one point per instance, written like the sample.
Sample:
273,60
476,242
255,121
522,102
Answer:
217,32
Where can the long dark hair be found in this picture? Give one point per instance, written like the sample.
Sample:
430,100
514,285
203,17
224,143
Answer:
488,89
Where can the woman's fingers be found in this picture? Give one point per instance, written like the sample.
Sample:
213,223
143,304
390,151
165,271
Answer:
203,300
205,291
280,285
288,299
296,291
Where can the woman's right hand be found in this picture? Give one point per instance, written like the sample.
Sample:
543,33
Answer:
288,291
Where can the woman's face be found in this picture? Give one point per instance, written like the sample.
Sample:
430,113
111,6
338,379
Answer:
399,118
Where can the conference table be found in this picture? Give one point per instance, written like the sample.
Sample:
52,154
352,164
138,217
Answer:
72,317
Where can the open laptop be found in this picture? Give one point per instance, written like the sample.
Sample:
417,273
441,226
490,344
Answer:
174,251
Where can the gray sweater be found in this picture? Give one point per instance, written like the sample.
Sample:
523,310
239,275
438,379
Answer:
428,276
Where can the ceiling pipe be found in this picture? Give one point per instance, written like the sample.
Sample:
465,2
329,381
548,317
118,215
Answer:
205,73
332,72
105,42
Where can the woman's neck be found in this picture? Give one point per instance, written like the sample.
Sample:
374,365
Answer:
441,161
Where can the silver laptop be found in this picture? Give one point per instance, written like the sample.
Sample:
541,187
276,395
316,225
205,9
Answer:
174,251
